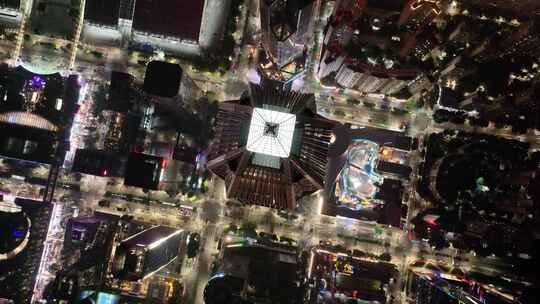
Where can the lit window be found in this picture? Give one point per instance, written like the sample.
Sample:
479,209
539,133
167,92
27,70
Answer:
59,103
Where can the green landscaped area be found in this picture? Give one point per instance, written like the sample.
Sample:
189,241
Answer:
55,18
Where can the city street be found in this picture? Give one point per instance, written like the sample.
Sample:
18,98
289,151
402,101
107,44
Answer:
210,213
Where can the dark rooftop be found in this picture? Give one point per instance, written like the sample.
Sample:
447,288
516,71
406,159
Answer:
394,168
391,192
143,171
162,78
181,19
387,5
10,3
102,11
267,270
384,137
95,162
120,91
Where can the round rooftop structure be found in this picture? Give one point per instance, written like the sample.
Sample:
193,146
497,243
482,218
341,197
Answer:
28,119
14,231
40,65
217,291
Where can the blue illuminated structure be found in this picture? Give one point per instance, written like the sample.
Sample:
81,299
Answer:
37,82
358,183
100,297
18,233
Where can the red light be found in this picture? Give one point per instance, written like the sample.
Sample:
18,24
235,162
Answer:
163,163
431,222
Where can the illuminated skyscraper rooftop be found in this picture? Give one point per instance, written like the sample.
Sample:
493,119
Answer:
271,132
272,148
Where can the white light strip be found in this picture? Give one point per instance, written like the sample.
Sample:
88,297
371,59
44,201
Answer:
43,277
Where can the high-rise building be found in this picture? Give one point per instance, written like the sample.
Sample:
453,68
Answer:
250,272
286,28
369,45
86,253
430,287
143,254
427,291
96,162
168,80
271,148
144,171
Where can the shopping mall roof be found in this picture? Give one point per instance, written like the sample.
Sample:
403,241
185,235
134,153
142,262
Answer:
94,11
180,19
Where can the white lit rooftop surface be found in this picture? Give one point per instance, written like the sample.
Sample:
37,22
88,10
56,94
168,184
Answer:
271,132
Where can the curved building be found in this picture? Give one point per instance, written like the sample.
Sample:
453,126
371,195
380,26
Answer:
270,148
23,232
15,231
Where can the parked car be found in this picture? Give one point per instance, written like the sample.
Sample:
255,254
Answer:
104,203
193,244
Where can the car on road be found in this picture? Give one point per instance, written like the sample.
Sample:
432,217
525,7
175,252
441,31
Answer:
287,240
232,203
287,216
324,244
193,244
104,203
137,199
268,236
121,209
64,198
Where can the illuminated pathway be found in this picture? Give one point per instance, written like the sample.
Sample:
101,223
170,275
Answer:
51,252
26,6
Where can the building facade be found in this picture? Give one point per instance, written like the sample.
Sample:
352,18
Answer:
146,252
368,45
